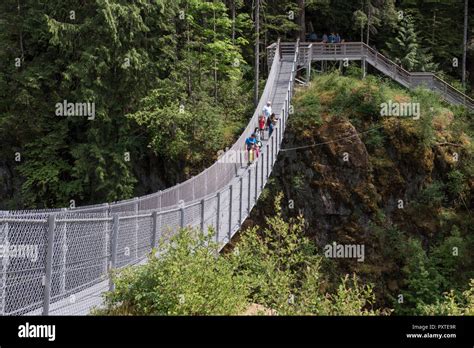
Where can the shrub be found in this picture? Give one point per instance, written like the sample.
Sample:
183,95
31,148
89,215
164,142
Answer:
432,195
188,278
453,304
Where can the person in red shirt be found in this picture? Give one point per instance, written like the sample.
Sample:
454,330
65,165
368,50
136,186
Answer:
261,125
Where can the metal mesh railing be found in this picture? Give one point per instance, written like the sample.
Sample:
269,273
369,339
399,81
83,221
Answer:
58,261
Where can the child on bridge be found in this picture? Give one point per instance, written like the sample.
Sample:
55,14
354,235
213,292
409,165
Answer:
251,145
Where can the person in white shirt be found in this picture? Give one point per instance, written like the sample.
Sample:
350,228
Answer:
267,110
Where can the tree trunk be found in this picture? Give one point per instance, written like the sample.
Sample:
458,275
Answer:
257,51
215,60
369,17
233,22
188,42
302,20
22,58
464,52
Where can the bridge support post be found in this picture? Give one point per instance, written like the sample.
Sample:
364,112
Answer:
310,59
268,161
49,264
203,202
273,149
154,231
262,160
241,199
308,74
137,209
218,215
62,279
113,248
249,191
181,217
364,68
230,212
107,238
280,130
4,267
256,182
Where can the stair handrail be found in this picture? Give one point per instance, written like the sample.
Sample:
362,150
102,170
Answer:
431,74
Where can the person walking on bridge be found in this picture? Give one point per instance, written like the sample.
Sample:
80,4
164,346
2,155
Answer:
261,125
251,144
271,124
267,112
258,136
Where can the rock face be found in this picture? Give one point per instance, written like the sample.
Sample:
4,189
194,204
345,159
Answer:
334,182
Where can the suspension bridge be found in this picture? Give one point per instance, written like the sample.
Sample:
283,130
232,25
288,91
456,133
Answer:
76,249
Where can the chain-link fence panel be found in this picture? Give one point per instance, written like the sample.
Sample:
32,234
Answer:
24,245
170,223
150,202
193,215
144,235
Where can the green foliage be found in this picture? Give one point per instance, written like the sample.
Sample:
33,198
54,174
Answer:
453,304
456,184
391,242
374,138
298,182
178,132
405,48
360,21
308,108
380,13
432,195
422,280
187,278
439,26
450,256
